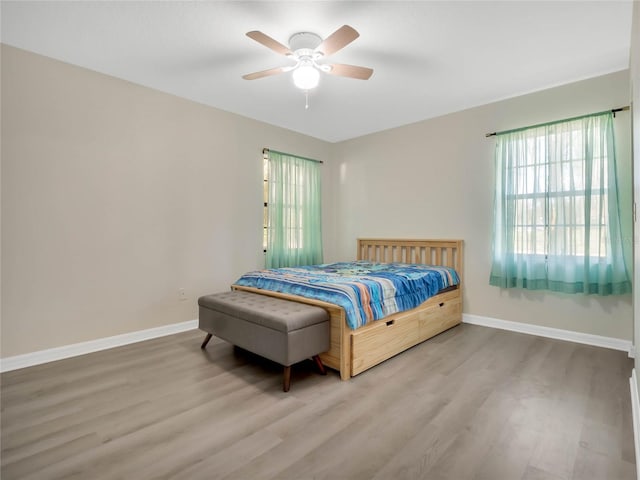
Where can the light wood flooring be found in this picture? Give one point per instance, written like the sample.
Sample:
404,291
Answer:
472,403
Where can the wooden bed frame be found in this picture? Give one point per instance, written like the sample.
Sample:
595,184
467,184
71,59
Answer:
354,351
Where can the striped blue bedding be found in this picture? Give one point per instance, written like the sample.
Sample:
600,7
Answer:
367,291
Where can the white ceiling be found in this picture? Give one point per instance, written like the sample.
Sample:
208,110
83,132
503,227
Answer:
430,58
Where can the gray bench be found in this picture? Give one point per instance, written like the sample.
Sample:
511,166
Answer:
283,331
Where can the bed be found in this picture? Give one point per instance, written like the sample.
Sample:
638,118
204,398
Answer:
353,351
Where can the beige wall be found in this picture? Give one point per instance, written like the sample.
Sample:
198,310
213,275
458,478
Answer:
434,179
114,196
635,99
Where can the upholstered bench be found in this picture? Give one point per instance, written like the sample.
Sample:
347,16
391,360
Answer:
283,331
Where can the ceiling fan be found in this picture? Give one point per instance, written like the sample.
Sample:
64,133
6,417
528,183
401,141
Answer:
308,49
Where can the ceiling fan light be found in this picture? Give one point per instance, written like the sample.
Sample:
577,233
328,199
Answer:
306,77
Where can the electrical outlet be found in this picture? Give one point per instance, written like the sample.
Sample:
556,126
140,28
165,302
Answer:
182,295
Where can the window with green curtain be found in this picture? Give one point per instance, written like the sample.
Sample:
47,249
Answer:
557,218
293,215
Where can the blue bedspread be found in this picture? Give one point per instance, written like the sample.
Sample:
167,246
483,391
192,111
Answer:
367,291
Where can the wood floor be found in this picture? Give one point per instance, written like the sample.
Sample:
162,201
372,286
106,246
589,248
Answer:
472,403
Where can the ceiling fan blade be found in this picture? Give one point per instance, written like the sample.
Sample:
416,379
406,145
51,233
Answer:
352,71
267,73
337,40
269,42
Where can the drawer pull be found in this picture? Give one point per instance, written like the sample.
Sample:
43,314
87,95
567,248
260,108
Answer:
390,322
441,304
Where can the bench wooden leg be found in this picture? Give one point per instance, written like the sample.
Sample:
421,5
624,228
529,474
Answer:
316,358
206,340
286,379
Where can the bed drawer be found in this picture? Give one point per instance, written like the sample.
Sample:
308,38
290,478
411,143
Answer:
439,317
381,340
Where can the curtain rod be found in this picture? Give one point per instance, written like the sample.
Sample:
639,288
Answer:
613,110
266,150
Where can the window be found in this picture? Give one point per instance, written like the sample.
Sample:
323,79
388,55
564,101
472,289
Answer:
557,218
265,197
292,212
549,197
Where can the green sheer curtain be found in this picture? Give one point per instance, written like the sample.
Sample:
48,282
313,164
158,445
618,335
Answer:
557,218
294,223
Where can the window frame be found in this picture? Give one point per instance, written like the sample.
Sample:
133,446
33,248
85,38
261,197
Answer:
548,195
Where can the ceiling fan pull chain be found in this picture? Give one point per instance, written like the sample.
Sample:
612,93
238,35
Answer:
306,99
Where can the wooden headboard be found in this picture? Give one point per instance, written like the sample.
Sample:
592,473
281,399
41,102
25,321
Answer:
428,252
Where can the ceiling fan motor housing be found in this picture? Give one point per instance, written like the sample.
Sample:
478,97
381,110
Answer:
304,43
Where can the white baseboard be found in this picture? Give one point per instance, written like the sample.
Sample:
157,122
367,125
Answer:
67,351
58,353
635,411
568,335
